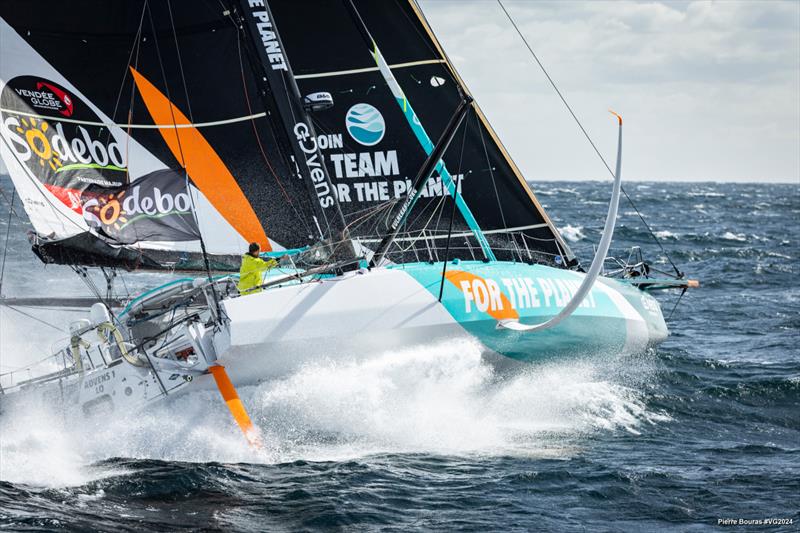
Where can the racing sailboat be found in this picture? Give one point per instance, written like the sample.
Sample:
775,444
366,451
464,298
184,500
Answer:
166,136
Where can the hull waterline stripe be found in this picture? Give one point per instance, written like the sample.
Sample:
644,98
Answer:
137,126
368,69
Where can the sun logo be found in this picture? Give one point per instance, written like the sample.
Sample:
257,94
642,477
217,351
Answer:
37,140
111,212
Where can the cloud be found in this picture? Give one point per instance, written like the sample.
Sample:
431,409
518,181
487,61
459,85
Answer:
717,83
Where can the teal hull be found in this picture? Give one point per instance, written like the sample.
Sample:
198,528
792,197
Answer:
615,317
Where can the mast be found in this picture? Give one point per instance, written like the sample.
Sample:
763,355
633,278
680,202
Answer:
419,130
307,157
433,160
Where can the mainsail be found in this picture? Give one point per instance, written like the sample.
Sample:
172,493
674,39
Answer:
372,152
205,99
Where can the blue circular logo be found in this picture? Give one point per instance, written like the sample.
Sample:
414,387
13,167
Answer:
365,124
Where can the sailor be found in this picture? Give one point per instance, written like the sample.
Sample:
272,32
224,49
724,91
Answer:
250,275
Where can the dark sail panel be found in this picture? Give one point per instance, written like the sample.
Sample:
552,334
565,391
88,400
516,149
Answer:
305,152
151,86
372,153
97,95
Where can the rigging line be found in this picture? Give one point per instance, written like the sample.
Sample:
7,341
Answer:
370,212
128,135
166,86
655,238
371,208
83,273
191,124
409,224
127,68
439,206
459,181
452,213
13,308
10,205
5,245
125,285
436,209
17,369
491,171
191,119
456,182
180,62
676,304
258,138
586,134
180,146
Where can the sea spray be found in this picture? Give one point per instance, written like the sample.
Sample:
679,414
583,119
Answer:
442,399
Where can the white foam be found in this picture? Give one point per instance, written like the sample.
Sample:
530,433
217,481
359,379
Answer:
730,236
666,234
572,233
442,399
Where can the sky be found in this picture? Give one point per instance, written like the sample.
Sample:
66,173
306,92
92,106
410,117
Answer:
709,90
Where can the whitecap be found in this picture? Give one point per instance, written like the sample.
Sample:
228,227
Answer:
572,233
443,399
666,234
730,236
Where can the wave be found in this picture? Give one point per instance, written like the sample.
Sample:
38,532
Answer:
572,233
666,234
706,194
730,236
443,399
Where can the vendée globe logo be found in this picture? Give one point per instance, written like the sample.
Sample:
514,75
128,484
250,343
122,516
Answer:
365,124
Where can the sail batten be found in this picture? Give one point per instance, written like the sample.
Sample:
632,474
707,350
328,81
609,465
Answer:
369,69
170,125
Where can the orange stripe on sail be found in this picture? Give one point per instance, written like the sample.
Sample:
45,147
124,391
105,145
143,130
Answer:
506,311
235,405
207,170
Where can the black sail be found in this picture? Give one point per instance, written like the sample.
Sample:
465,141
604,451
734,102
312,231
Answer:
371,151
126,67
98,95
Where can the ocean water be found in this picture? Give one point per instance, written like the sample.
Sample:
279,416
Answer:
703,428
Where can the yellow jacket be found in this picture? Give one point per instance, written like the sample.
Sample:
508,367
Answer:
250,275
